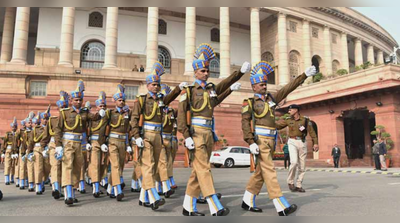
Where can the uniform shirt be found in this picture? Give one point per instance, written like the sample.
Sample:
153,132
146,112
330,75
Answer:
295,125
259,106
148,109
197,100
169,122
10,139
97,129
25,140
21,132
70,118
36,136
49,131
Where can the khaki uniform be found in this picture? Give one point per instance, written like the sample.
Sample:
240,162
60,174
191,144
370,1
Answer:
36,136
70,123
154,157
97,129
119,126
9,147
201,179
22,148
169,131
48,140
297,147
264,119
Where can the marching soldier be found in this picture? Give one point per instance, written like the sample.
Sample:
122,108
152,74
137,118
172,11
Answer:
299,126
259,131
9,150
86,147
72,123
98,144
21,164
146,124
195,122
49,141
136,184
26,157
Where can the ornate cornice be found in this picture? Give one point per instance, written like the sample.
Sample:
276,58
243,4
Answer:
362,25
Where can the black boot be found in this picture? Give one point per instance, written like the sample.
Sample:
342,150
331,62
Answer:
56,194
22,188
252,209
288,211
83,191
187,213
145,204
120,196
169,193
157,204
222,212
69,201
96,195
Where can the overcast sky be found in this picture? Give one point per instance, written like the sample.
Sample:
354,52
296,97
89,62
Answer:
387,17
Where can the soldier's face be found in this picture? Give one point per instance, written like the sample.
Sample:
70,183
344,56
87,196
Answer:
120,103
28,124
76,102
202,74
102,106
154,87
293,111
260,88
44,122
14,128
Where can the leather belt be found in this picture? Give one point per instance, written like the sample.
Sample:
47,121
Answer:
52,139
296,137
266,132
150,126
9,147
94,137
167,136
115,135
77,137
37,144
202,122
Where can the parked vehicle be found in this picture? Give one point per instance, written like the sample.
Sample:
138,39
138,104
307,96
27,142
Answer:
231,156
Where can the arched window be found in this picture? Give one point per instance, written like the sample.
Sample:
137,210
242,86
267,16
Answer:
335,66
92,55
269,57
165,58
96,20
215,35
162,27
294,64
214,66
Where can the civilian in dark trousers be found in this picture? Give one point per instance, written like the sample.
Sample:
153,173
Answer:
375,153
286,156
336,155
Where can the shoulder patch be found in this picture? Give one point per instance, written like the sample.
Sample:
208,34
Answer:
245,103
65,109
183,97
245,109
183,91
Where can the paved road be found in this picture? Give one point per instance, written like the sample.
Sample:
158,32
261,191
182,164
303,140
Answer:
328,193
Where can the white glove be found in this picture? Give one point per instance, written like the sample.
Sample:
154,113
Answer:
182,85
254,149
16,156
59,152
104,148
311,71
139,142
129,149
3,155
246,67
45,154
236,86
102,113
189,143
88,147
12,156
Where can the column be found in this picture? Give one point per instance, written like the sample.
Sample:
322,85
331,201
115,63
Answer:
225,43
358,52
283,50
67,37
21,34
306,43
110,60
345,52
255,35
328,51
190,39
380,57
8,35
152,38
371,54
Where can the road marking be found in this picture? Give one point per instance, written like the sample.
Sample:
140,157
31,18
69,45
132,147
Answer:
241,195
394,184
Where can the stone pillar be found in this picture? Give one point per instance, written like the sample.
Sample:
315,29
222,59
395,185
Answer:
283,62
190,39
8,35
152,38
345,52
110,61
371,54
328,51
358,52
67,37
21,35
306,43
255,35
380,57
225,43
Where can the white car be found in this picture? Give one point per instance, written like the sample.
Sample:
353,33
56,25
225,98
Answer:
231,156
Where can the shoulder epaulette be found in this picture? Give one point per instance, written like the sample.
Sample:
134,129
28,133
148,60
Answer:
65,109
